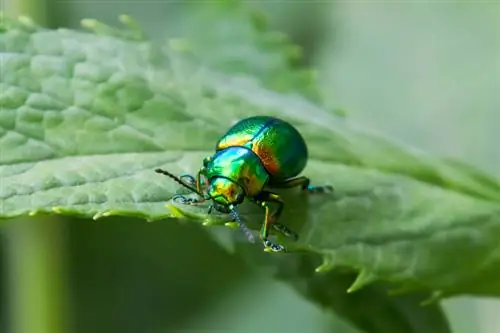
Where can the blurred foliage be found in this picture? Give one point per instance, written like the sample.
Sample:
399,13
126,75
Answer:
196,83
177,271
369,307
3,283
432,85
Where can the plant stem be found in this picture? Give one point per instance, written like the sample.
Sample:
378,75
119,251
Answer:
36,285
36,281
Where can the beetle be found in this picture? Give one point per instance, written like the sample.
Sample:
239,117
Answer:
256,155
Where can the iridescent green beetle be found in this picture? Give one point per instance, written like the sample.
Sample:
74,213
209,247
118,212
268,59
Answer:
256,155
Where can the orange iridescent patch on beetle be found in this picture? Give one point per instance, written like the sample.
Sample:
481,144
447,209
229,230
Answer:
225,188
234,140
267,156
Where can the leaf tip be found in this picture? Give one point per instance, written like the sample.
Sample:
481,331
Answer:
108,213
26,21
208,223
58,210
326,266
33,213
339,112
232,225
89,23
259,20
131,24
180,45
176,212
363,279
128,21
295,53
98,215
113,213
434,297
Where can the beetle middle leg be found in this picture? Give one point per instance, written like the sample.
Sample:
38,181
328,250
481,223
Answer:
304,183
264,199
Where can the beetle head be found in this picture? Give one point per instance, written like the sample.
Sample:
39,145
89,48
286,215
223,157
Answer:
225,193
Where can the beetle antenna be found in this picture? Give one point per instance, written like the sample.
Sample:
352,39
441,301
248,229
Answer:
178,180
243,226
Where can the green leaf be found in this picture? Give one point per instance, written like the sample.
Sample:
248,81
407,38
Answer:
85,119
370,308
236,40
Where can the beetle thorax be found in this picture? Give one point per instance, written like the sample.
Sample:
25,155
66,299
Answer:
239,165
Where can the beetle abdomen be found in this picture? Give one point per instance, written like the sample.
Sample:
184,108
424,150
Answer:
278,144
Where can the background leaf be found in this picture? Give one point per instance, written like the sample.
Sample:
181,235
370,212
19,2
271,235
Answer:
239,42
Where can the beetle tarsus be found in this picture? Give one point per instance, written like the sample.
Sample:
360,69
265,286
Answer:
182,199
304,183
270,246
319,189
285,230
188,179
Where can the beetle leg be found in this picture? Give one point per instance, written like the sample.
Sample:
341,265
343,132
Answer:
199,180
188,179
285,230
182,199
305,185
276,225
206,160
264,199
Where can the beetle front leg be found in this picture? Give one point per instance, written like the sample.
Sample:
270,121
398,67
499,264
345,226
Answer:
305,185
201,173
197,183
264,199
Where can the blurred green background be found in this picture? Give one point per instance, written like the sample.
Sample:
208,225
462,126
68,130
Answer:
426,73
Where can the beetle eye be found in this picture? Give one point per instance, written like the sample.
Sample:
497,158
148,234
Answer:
240,197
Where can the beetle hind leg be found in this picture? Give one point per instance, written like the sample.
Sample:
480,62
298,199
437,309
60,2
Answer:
285,230
305,184
319,189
